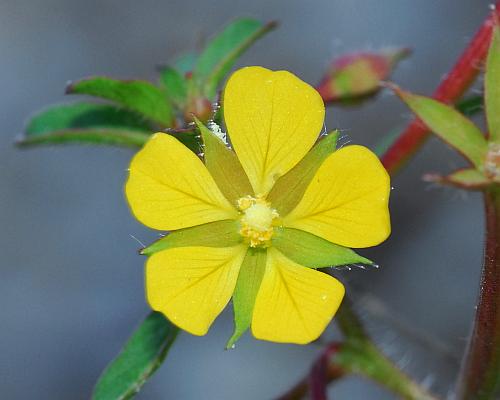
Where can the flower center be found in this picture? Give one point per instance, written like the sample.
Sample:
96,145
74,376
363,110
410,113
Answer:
257,220
492,162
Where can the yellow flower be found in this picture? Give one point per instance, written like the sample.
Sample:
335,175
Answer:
253,223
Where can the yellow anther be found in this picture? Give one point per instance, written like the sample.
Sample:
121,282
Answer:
257,220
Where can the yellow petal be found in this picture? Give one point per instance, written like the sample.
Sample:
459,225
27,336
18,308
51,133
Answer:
294,303
273,119
347,200
192,285
169,187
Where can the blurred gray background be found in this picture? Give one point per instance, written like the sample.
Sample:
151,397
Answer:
71,283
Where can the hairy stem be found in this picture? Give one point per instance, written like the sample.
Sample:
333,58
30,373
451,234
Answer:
480,375
451,88
355,355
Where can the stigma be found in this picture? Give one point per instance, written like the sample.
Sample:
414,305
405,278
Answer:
257,221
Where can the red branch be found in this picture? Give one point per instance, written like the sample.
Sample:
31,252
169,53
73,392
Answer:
451,88
480,373
321,373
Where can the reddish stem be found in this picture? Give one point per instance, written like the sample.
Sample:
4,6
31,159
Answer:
321,370
451,88
480,375
322,373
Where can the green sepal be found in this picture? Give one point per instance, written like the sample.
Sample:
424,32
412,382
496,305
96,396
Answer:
289,188
214,234
467,178
174,84
143,353
96,136
223,50
448,124
492,86
247,286
224,166
136,95
312,251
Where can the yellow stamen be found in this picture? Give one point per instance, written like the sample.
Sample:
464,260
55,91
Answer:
257,220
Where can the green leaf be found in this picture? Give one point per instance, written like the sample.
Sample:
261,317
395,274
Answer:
86,123
289,188
83,115
447,123
312,251
224,49
468,178
245,293
224,166
97,136
185,63
470,105
174,84
492,86
214,234
135,95
142,355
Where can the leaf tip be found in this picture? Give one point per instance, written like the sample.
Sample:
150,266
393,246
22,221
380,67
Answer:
271,25
70,87
402,94
432,178
231,343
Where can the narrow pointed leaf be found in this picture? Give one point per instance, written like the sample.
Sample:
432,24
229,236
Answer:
467,178
86,123
174,84
245,293
142,355
224,166
312,251
470,106
492,86
289,189
83,115
214,234
135,95
224,49
451,126
95,136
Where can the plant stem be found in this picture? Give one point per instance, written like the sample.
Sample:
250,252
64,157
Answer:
355,355
480,375
451,88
